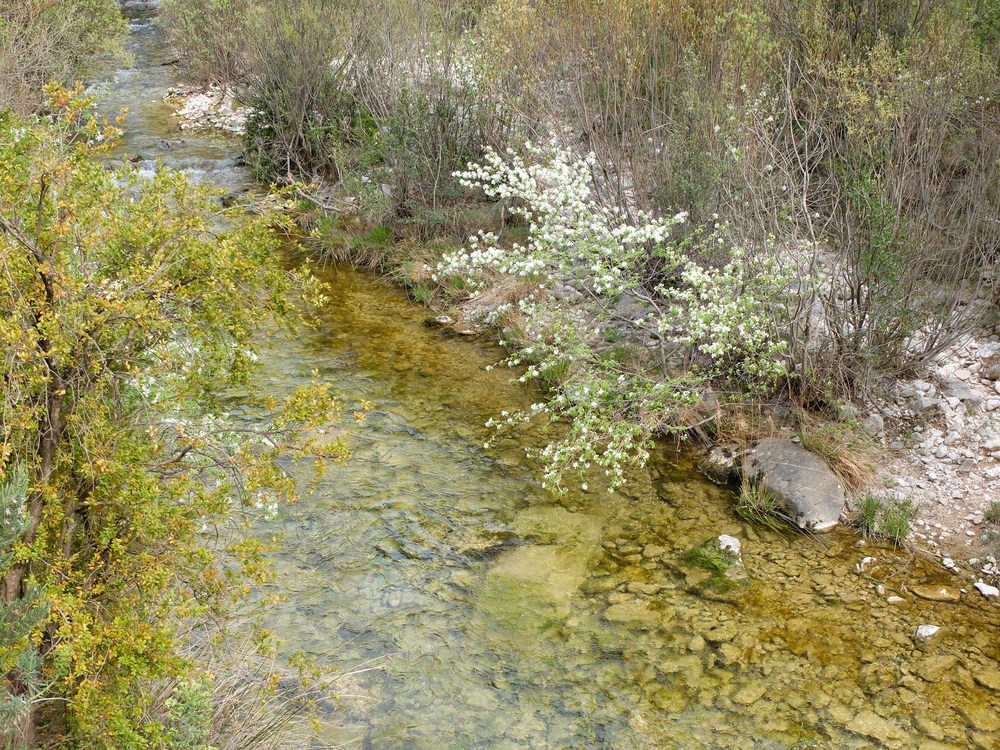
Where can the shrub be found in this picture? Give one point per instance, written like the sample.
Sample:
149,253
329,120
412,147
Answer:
45,41
716,316
108,407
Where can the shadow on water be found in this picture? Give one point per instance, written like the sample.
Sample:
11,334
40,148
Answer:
502,617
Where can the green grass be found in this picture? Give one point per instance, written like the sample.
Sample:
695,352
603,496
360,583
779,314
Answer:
866,516
891,520
992,513
758,506
710,557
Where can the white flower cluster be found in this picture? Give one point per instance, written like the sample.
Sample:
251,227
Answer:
724,313
568,229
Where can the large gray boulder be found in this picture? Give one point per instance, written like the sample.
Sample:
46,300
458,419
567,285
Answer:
802,483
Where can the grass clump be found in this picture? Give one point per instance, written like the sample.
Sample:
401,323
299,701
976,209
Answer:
849,452
758,505
720,563
992,513
891,520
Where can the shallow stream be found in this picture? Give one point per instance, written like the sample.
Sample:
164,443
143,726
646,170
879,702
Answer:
468,608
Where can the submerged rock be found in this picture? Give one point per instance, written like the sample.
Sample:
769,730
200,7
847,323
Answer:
636,614
869,724
936,593
802,483
720,464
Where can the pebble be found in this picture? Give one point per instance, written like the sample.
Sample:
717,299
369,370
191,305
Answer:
926,632
986,590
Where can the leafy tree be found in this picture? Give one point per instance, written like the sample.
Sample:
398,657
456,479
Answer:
124,309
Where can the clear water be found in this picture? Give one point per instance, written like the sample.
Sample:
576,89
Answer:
467,608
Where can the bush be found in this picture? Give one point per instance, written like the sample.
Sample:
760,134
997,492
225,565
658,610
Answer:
716,317
44,41
108,406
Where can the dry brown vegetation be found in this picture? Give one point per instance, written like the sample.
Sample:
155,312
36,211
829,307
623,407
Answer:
860,142
52,40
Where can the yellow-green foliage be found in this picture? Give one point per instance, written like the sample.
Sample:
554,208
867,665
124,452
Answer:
122,311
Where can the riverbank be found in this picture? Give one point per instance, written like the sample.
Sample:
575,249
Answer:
936,432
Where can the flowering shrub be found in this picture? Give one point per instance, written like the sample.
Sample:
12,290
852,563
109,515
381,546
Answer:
721,319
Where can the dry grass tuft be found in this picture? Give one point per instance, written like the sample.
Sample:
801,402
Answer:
507,292
850,453
744,424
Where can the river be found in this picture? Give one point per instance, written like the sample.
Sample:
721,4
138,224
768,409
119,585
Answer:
467,608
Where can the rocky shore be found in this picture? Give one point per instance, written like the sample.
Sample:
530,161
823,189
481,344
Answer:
213,108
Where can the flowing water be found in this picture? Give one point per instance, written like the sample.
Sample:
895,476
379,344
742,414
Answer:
465,607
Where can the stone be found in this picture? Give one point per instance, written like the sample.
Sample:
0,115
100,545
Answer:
722,633
801,482
633,614
689,666
926,632
748,693
936,667
720,464
988,677
438,321
870,724
936,593
874,425
963,392
696,644
928,726
924,403
981,717
986,590
730,544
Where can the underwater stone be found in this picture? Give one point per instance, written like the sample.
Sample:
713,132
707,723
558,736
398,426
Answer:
870,724
635,614
989,678
936,593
